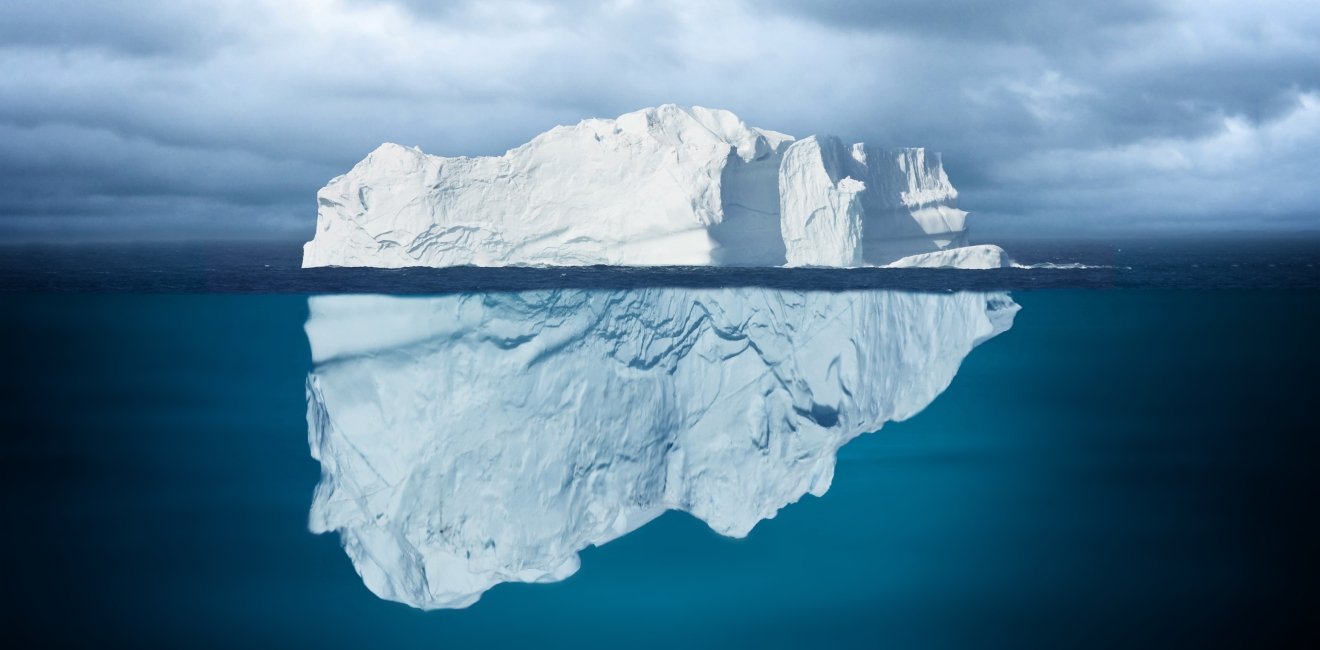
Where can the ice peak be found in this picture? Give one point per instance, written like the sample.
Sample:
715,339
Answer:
677,125
390,151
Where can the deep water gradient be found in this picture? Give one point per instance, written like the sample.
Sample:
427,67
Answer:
1122,468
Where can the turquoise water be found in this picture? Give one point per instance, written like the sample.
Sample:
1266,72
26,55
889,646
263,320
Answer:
1121,467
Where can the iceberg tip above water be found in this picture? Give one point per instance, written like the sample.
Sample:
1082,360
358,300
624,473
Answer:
669,185
978,257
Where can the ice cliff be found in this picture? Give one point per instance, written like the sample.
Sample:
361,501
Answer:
475,439
660,186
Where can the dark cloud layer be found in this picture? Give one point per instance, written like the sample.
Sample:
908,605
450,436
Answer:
146,118
1041,24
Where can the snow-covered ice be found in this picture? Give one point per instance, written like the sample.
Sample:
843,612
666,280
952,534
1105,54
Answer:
661,186
980,256
474,439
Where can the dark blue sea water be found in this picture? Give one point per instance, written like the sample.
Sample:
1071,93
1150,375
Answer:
1132,464
1221,262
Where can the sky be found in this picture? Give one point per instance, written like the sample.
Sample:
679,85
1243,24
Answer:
158,119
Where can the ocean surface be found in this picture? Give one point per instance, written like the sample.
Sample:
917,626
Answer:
1132,464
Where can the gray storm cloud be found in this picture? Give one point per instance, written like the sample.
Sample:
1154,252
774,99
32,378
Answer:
223,117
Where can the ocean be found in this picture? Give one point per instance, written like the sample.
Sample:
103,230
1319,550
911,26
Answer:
1132,463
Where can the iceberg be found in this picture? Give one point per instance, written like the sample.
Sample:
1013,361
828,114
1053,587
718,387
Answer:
979,257
661,186
474,439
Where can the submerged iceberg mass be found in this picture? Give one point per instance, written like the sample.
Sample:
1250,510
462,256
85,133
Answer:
474,439
662,186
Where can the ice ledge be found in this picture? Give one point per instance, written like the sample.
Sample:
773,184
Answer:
979,257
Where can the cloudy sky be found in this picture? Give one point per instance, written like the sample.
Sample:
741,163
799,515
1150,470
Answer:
221,118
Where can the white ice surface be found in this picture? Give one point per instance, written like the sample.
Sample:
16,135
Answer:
981,256
660,186
820,207
475,439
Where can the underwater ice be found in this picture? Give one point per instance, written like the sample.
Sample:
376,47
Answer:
475,439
